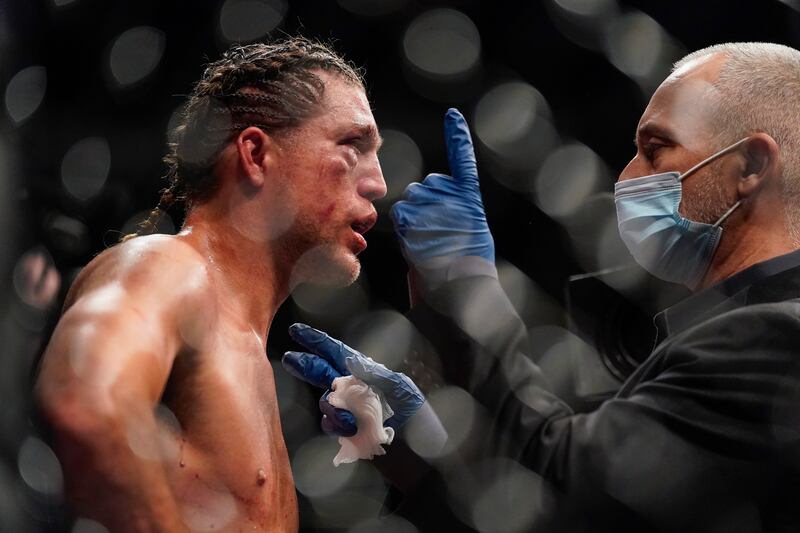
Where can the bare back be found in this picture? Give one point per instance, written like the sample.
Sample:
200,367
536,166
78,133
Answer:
219,437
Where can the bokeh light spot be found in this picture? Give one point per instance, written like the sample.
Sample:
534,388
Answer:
142,441
554,350
87,525
583,21
385,335
794,4
568,176
401,162
39,467
25,92
512,121
36,280
212,509
533,305
586,225
457,411
66,233
314,473
586,8
611,251
510,503
135,54
288,389
330,306
640,47
337,510
506,114
249,20
442,43
85,167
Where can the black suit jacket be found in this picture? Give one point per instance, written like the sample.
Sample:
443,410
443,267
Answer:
704,436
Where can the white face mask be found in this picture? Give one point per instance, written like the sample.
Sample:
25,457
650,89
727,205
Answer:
662,241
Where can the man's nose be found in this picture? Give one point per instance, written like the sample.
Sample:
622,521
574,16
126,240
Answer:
373,186
633,169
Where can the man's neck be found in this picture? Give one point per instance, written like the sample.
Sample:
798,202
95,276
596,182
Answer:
739,253
253,281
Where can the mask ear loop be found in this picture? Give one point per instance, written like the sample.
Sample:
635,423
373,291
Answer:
712,157
706,161
727,213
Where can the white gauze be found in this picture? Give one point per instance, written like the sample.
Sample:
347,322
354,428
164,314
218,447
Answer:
370,410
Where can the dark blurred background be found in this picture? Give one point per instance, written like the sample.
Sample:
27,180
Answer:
553,90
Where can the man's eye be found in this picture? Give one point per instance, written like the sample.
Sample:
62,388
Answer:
353,141
652,149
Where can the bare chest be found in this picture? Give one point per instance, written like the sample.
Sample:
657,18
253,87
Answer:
232,469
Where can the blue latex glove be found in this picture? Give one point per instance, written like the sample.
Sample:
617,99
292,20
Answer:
442,218
330,359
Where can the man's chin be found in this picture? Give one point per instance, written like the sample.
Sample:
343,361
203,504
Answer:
336,276
327,266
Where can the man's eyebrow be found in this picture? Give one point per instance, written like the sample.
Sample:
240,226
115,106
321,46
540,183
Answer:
370,132
648,129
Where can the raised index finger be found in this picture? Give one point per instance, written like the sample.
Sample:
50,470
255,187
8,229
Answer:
460,153
323,345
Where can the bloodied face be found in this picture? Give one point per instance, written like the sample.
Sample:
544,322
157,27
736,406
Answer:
329,165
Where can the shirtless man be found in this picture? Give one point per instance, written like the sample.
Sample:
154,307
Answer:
155,383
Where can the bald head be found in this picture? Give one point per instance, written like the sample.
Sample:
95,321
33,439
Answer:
753,87
705,67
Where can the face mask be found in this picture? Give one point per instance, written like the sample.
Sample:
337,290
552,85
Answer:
662,241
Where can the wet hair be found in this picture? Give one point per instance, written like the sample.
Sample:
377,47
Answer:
271,86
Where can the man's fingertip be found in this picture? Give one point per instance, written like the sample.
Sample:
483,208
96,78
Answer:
291,358
454,116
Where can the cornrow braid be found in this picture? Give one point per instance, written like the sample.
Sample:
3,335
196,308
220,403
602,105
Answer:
148,225
271,86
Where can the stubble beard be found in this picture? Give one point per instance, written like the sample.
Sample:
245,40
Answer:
320,261
328,266
708,202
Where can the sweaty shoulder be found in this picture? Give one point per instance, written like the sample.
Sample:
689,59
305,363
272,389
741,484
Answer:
156,275
144,264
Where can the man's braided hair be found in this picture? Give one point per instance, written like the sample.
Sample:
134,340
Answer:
271,86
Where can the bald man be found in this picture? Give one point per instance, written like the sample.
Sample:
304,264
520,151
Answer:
704,436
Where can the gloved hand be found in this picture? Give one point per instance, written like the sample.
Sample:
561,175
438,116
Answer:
442,219
330,359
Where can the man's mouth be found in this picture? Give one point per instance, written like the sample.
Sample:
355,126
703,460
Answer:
360,227
364,224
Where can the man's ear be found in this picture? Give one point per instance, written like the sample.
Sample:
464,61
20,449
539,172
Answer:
255,148
762,164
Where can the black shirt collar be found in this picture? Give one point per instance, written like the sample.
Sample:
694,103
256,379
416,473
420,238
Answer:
725,295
